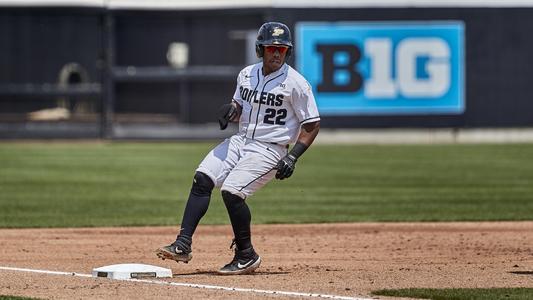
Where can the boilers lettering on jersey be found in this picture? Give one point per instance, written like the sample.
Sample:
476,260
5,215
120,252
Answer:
264,97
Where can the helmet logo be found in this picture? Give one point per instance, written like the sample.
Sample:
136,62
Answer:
278,32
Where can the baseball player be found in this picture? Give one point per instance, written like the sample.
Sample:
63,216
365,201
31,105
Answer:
275,107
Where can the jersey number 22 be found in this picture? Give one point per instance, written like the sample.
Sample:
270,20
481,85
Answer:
273,116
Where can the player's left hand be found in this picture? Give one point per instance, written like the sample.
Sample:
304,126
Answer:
286,167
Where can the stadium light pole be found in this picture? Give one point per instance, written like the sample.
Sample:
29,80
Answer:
108,95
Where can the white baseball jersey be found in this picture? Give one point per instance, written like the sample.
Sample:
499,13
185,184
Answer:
274,106
273,109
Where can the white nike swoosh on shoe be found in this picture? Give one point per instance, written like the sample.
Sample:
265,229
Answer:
245,265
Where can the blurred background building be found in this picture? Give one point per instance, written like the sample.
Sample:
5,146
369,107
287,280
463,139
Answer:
160,69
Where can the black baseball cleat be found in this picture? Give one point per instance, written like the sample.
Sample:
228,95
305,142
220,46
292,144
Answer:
178,251
244,262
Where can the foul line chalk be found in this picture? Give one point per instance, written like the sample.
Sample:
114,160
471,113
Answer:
46,272
192,285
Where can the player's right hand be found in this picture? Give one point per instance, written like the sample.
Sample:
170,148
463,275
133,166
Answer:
225,114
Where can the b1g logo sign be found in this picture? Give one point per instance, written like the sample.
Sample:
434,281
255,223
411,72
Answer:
383,68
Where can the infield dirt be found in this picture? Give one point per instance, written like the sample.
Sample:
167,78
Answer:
336,259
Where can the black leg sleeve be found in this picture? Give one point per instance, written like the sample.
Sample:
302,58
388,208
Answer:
197,205
240,217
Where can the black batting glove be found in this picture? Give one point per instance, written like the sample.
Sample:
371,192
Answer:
225,114
286,167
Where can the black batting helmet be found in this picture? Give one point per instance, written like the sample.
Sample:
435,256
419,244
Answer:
273,33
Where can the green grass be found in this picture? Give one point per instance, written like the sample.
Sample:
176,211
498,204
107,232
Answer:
5,297
112,184
462,294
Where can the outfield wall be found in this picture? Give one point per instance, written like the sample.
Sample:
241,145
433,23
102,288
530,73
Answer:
116,65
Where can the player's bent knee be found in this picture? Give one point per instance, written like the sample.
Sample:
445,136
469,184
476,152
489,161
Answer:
225,189
231,199
202,184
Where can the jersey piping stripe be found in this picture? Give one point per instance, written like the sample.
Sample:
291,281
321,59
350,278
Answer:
252,105
259,107
309,119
